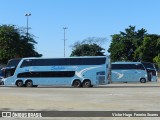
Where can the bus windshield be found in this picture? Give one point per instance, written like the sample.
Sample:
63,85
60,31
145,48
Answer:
150,67
13,62
11,67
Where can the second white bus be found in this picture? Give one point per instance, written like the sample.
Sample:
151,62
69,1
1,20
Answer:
128,72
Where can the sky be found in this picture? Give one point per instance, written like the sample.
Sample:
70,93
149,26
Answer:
83,18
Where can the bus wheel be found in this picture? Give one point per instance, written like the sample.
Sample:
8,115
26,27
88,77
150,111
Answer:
19,83
87,83
29,83
143,80
77,83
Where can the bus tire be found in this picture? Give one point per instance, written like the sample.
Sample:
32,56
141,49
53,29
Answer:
19,83
29,83
143,80
77,83
87,83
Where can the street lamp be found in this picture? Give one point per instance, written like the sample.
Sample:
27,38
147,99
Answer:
27,15
64,28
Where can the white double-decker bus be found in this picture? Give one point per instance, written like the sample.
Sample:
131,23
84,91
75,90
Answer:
72,71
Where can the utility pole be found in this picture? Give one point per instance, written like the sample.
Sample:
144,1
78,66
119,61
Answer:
27,15
64,28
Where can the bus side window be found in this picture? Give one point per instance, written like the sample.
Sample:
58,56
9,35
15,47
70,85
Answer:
140,66
9,73
26,63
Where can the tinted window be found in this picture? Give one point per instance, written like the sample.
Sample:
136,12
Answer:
44,62
26,63
94,61
9,72
140,66
153,72
50,62
47,74
76,61
101,73
13,62
148,65
87,61
61,61
127,66
1,72
150,68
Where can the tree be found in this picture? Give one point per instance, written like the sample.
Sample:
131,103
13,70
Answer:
133,45
123,45
88,47
149,49
15,44
157,60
